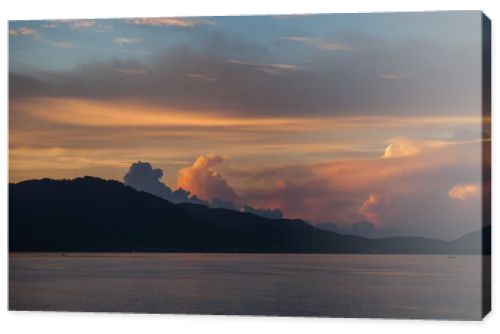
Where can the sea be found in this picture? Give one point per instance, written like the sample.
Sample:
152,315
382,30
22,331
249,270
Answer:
317,285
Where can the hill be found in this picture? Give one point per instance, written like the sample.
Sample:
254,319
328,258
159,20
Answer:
91,214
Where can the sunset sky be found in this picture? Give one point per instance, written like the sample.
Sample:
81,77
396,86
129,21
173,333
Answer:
345,119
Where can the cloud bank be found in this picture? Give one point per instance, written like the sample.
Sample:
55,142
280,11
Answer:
433,192
227,74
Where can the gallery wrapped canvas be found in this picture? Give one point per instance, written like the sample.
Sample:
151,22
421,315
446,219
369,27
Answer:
292,165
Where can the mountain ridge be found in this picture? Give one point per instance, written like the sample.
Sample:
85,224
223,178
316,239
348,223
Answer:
92,214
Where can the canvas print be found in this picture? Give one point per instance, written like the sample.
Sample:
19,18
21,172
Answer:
330,165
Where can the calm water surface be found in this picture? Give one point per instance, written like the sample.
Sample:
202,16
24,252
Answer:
410,286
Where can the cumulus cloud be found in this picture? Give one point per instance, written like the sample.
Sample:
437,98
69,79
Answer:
201,179
464,191
142,176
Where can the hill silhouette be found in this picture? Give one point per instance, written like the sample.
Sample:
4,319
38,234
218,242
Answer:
92,214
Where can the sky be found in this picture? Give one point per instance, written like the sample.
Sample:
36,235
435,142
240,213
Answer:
348,119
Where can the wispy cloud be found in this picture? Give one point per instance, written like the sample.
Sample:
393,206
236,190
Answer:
59,44
202,77
320,43
171,21
49,26
395,76
81,24
37,36
23,31
127,40
131,71
274,69
78,24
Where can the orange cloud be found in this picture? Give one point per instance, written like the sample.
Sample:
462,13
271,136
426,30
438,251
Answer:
464,191
203,181
115,114
369,209
403,147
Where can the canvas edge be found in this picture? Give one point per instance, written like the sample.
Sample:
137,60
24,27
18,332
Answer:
486,164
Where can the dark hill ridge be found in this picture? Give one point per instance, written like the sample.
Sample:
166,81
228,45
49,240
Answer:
91,214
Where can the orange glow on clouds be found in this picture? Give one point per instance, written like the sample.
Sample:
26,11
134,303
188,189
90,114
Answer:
203,181
464,191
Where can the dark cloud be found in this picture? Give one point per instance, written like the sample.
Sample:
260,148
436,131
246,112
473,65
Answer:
267,213
403,76
142,176
219,203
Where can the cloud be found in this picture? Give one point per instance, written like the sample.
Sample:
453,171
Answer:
81,24
464,191
50,26
37,36
202,77
275,69
201,179
23,31
395,76
250,81
369,209
266,213
172,21
319,43
403,147
127,40
78,24
142,176
58,44
131,71
407,195
219,203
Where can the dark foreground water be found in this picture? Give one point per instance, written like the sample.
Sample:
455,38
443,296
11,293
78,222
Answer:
389,286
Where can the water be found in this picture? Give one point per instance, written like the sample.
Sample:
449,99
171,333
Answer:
389,286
